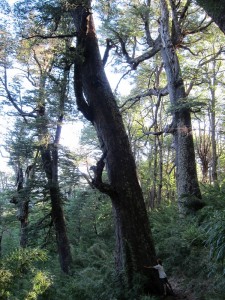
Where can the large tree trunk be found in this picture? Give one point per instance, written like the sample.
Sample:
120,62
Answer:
135,246
186,174
216,10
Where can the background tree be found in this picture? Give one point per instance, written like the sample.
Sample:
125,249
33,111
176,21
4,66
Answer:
38,62
187,181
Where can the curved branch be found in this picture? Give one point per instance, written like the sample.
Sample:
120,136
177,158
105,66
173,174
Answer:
82,105
150,92
134,62
97,180
10,98
109,46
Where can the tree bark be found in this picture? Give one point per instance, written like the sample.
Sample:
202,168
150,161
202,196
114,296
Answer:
49,155
186,173
212,112
135,247
21,200
216,10
50,165
160,180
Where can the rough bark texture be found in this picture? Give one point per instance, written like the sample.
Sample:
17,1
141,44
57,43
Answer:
216,10
186,174
135,246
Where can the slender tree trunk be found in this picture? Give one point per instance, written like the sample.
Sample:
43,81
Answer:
49,155
160,180
135,247
213,125
186,174
1,236
24,224
154,174
21,200
50,167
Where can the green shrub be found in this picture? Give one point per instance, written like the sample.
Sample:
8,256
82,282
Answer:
21,277
215,229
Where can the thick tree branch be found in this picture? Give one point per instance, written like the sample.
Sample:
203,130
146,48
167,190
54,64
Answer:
82,105
183,12
109,46
150,92
146,17
59,36
97,180
148,54
155,133
134,62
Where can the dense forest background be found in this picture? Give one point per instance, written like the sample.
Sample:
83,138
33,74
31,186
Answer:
144,89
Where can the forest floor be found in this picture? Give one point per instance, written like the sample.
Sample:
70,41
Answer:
179,291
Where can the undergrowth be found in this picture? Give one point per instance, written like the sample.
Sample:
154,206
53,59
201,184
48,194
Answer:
192,249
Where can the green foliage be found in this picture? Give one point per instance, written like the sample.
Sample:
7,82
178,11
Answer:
193,248
93,217
41,282
21,277
5,281
188,247
92,276
213,219
216,235
186,104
